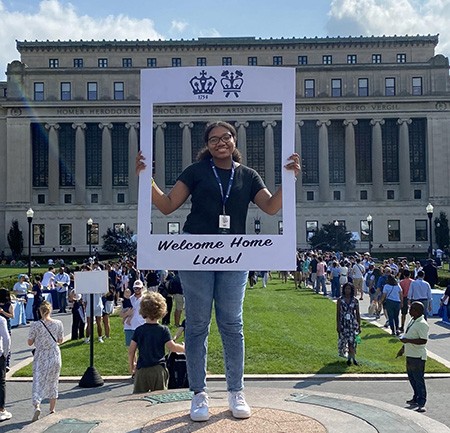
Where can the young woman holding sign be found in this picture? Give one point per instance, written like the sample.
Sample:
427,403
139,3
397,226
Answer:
221,189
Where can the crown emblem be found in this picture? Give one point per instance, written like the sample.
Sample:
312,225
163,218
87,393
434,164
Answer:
203,85
231,83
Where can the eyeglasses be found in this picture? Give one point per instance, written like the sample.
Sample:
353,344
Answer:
226,138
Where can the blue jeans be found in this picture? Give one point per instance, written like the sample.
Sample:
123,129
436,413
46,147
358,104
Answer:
227,290
320,281
62,301
393,310
415,367
335,287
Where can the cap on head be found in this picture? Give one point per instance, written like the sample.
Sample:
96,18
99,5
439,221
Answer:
139,284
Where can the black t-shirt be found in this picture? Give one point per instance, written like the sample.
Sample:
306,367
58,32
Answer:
206,198
151,339
313,265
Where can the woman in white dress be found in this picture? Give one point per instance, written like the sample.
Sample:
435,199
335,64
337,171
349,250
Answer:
46,335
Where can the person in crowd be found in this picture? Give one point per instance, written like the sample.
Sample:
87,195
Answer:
415,349
46,335
175,290
38,298
431,275
62,282
358,271
5,349
420,290
221,189
78,315
392,298
445,301
98,313
131,315
379,293
405,284
150,341
348,323
313,270
394,267
321,276
22,287
298,277
335,276
305,270
7,312
48,278
108,309
152,280
343,271
417,268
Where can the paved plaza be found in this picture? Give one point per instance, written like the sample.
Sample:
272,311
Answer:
285,403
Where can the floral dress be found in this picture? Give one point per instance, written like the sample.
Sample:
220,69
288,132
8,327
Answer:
47,359
348,324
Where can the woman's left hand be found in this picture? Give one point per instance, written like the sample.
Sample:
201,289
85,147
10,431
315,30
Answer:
294,164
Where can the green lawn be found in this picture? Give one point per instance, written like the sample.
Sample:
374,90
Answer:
286,331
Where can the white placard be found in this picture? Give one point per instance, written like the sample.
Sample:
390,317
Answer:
91,282
226,85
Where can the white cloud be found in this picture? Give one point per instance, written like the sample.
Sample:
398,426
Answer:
55,21
389,17
178,26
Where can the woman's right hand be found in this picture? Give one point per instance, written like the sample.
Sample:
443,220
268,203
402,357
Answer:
140,164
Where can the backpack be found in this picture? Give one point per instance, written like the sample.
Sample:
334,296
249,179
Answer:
176,366
174,285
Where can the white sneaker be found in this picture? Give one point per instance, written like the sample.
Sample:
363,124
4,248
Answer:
86,341
237,404
199,407
100,340
5,415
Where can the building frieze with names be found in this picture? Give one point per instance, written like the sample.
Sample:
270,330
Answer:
182,111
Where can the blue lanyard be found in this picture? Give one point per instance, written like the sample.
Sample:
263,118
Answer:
230,182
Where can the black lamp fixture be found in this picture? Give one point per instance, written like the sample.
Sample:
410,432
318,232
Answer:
257,226
429,209
369,220
90,222
30,215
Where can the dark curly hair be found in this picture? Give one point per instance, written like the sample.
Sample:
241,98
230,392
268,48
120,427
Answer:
352,287
204,152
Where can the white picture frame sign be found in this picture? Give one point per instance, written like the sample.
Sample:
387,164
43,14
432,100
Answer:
225,85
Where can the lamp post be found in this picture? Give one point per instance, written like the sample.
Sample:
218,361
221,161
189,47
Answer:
429,210
30,214
369,220
336,225
89,224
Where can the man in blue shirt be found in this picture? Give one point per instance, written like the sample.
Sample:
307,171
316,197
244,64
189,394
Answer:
62,281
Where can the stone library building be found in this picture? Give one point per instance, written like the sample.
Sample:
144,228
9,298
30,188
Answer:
372,127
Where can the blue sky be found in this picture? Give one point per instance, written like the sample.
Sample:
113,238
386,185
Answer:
187,19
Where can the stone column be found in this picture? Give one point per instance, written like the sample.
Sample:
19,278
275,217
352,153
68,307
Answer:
159,175
404,159
242,139
269,155
133,148
80,163
350,160
107,189
324,161
377,159
298,149
186,153
53,163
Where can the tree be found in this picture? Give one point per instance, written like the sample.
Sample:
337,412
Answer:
332,237
441,231
119,241
15,240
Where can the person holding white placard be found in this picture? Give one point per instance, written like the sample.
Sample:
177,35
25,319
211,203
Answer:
221,189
